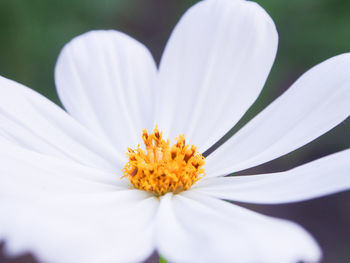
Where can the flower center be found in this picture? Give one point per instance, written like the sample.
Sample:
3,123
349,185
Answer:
161,168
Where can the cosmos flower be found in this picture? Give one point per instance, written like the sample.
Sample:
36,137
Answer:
81,186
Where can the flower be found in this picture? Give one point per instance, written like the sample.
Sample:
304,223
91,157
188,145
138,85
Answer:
62,196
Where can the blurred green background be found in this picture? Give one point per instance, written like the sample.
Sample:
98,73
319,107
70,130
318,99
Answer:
33,32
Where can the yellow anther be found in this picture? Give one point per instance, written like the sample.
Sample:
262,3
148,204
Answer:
161,168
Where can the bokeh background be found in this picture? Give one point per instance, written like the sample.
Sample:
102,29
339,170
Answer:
33,32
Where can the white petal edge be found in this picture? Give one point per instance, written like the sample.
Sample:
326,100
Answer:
213,68
105,79
196,228
35,123
317,102
24,173
107,227
328,175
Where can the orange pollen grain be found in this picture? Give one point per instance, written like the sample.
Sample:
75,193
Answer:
162,168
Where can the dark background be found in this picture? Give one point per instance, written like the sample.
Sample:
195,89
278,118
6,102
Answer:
33,32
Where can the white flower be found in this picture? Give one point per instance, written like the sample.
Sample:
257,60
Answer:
61,192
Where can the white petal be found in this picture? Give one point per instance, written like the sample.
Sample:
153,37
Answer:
110,227
65,212
105,80
195,228
315,103
27,173
51,205
213,68
322,177
35,123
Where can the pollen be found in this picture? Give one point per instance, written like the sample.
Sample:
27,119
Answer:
162,168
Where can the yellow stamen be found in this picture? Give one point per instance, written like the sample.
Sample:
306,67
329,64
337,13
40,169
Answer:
161,168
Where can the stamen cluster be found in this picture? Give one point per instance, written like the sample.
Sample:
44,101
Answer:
161,168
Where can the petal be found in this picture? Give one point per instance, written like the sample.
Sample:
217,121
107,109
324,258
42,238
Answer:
322,177
105,80
32,121
213,68
109,227
66,212
27,173
315,103
196,228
